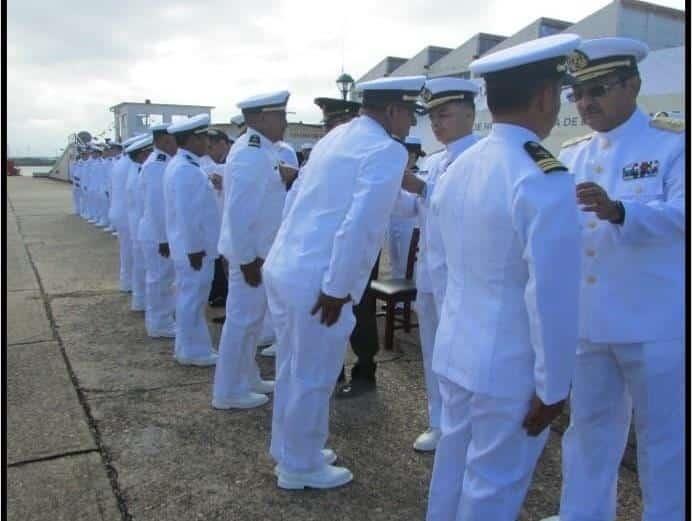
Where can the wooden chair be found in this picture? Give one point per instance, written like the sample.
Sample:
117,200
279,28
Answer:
394,291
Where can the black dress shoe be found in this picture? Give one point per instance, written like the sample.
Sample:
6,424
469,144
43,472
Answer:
354,388
219,320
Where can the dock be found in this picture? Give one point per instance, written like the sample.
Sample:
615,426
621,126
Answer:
103,425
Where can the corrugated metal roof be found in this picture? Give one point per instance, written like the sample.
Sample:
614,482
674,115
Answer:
457,61
422,61
383,68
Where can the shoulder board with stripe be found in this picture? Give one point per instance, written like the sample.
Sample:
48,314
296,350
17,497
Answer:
254,141
161,157
544,159
189,158
574,141
669,124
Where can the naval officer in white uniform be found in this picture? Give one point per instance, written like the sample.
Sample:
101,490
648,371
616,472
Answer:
288,163
401,226
321,261
449,103
254,202
160,273
134,214
192,230
75,168
213,164
505,346
117,214
630,175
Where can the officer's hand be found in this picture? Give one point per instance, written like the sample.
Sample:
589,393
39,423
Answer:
288,174
164,250
196,259
330,306
540,415
412,183
595,199
252,272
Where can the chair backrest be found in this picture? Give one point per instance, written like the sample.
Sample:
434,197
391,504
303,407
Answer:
412,253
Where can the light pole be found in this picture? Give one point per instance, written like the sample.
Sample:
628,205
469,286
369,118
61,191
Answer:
345,84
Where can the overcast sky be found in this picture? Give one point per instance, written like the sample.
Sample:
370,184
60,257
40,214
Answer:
68,62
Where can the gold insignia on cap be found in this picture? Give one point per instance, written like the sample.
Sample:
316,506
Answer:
577,61
426,95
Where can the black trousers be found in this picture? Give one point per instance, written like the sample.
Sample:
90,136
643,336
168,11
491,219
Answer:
364,337
219,285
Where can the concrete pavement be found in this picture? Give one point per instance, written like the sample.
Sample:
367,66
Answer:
103,425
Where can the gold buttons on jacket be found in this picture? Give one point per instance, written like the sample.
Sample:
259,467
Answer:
592,224
638,189
591,253
598,169
605,143
591,279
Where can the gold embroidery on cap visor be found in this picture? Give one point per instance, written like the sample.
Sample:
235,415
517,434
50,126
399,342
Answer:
440,101
576,61
585,72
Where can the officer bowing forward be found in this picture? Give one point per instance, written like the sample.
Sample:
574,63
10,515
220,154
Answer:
320,264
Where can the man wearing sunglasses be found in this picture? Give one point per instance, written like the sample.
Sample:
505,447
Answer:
630,185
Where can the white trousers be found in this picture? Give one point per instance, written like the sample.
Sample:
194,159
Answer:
159,293
138,276
85,203
103,209
236,368
484,460
91,210
428,319
192,339
308,361
610,380
75,199
268,334
125,246
400,231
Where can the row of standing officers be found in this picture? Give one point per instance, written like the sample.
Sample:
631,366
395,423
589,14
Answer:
538,278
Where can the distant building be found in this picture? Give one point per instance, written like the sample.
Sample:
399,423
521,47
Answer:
131,118
660,27
456,63
662,72
421,62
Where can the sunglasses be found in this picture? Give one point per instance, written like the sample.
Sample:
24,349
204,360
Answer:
594,91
